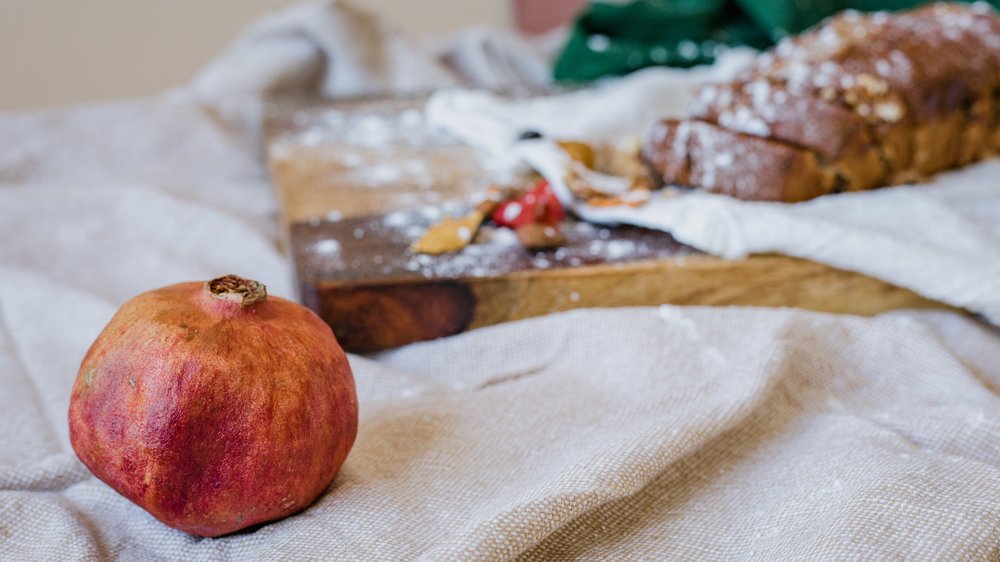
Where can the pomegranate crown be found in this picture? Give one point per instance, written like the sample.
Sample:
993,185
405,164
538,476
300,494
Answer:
233,288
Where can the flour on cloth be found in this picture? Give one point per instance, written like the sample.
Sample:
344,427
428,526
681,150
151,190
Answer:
652,433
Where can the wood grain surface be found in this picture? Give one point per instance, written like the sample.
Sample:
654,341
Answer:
767,280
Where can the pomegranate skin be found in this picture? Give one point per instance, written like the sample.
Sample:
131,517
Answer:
213,407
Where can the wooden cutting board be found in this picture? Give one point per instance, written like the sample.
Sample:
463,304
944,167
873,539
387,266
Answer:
360,181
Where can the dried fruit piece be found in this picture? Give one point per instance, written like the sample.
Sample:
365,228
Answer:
449,235
634,198
606,170
540,205
579,151
535,236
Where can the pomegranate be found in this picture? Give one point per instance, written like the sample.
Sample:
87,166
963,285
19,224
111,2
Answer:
213,406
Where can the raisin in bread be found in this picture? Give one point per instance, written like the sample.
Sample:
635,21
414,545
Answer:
862,101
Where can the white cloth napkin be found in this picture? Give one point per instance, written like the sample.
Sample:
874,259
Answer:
941,240
655,433
613,109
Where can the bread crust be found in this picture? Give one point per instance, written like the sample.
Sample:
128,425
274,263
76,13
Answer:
875,99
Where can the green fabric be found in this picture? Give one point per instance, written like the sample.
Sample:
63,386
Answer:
615,39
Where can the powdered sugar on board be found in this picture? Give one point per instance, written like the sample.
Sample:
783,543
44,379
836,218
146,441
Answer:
373,156
376,249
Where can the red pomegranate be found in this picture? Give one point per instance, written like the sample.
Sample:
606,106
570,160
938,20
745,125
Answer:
213,406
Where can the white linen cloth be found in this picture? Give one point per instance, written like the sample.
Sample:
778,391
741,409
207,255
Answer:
656,433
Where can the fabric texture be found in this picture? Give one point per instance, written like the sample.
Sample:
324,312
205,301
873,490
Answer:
651,433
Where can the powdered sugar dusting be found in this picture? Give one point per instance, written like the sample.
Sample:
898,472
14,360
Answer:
376,249
744,119
385,147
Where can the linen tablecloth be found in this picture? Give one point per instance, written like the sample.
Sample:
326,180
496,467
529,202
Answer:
650,433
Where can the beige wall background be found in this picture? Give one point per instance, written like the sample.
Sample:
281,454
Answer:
57,52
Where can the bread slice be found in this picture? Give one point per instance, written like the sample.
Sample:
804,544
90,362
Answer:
745,166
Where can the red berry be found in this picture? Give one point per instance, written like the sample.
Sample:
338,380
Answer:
539,206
